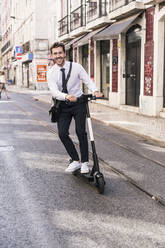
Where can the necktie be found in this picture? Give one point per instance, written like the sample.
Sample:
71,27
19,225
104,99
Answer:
64,88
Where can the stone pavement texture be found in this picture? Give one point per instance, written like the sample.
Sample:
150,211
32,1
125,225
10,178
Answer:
148,127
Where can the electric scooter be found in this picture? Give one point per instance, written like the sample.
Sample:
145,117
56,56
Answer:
94,175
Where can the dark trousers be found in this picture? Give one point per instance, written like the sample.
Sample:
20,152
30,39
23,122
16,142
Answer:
78,112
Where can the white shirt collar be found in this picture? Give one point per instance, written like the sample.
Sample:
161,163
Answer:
65,66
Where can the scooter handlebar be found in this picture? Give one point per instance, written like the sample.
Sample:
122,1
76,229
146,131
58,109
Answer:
85,98
89,97
98,98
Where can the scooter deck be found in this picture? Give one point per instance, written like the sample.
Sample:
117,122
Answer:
85,175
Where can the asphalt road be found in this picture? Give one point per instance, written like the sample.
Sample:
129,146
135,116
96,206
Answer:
42,206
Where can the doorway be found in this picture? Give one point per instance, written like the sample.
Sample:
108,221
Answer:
25,74
104,67
133,58
85,63
15,76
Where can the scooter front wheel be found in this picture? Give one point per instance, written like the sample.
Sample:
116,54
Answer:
100,184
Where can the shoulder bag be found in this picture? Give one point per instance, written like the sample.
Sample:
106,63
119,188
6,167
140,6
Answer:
55,109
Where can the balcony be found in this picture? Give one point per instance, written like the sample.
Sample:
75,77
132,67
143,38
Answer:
95,10
6,47
96,13
123,8
78,21
116,4
153,1
63,28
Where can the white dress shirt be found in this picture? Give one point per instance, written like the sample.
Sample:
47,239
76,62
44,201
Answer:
77,75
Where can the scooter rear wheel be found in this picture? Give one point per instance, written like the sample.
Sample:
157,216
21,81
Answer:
100,184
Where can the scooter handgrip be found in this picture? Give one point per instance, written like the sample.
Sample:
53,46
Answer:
100,98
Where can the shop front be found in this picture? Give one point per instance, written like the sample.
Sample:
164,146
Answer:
87,55
26,72
105,67
119,47
133,58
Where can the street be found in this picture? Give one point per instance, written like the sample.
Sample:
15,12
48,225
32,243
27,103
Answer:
42,206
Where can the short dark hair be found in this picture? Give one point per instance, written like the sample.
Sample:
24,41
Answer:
58,44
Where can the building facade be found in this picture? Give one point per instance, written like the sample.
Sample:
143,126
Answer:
121,45
33,28
6,32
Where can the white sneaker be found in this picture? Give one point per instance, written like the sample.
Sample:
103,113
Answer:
84,167
75,165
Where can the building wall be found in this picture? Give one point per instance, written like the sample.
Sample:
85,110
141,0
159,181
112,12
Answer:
75,4
159,61
152,23
6,29
35,29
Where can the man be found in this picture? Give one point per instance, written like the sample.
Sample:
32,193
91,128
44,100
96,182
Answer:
3,84
76,109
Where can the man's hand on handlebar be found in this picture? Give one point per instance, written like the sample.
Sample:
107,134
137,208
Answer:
71,98
98,94
86,97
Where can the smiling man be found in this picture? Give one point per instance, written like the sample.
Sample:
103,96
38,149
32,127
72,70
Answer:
74,109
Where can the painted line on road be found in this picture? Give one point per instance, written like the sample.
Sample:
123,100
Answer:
6,148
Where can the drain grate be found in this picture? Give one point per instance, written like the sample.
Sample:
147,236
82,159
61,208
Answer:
6,148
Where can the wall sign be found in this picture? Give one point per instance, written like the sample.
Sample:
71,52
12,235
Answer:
115,60
18,49
41,73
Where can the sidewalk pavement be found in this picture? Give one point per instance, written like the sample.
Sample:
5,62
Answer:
148,127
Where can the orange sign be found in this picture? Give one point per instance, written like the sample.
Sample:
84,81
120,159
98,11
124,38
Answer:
41,73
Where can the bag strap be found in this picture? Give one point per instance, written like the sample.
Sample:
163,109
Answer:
66,80
68,76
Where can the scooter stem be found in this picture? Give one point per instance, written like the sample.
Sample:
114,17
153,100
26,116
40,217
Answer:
95,158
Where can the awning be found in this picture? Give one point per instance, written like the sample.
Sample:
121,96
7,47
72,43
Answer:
85,39
70,43
113,31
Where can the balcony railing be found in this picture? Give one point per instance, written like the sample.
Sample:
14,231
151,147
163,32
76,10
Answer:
63,26
96,10
77,18
5,47
116,4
